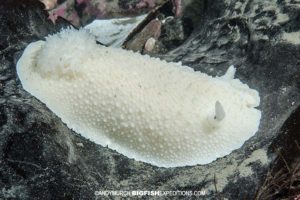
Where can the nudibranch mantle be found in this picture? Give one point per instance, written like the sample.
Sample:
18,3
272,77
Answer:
148,109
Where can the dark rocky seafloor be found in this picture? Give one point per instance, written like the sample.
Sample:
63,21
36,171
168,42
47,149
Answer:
40,158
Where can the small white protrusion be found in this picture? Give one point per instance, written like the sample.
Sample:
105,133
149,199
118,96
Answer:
219,112
229,75
150,44
217,117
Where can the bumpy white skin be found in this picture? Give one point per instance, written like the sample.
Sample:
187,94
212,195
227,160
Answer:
147,109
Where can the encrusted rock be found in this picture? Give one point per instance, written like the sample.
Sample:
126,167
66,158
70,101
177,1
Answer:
40,157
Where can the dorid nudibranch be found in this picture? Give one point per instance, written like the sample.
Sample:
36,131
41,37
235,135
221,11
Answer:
142,107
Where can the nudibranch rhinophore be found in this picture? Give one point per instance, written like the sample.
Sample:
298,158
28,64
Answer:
148,109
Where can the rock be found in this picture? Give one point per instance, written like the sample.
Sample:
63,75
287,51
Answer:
159,32
82,12
151,30
42,159
282,181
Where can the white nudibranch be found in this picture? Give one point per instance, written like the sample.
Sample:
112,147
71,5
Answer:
161,113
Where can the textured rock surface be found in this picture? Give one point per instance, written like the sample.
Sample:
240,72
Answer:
41,158
81,12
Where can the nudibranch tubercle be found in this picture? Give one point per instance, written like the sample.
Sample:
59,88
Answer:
161,113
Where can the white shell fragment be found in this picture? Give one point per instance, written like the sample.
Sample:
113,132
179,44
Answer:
161,113
113,32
